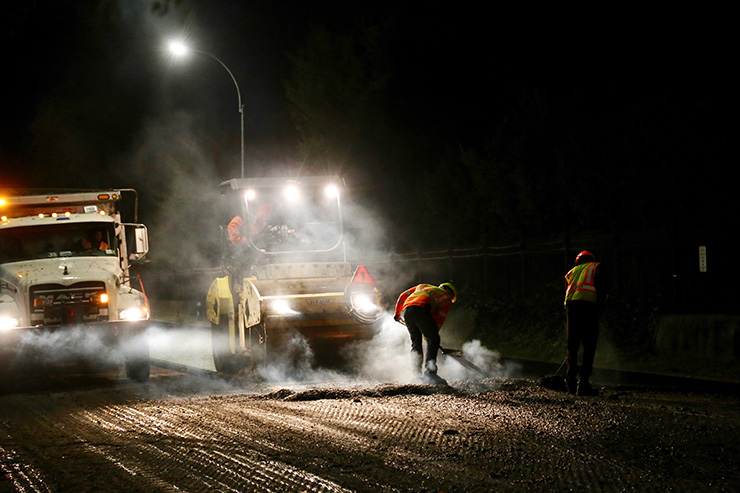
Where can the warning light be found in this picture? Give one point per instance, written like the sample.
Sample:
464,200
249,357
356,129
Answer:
362,276
2,201
103,196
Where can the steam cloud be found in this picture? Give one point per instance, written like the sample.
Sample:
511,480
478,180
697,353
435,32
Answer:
383,359
38,350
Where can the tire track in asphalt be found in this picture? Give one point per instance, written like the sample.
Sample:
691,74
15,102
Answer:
21,475
585,469
159,452
518,438
217,455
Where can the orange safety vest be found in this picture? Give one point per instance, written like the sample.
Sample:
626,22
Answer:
581,285
438,300
235,231
87,244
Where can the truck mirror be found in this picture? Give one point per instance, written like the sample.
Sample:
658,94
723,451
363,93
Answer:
140,241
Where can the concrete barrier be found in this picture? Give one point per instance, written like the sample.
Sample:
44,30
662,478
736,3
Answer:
699,335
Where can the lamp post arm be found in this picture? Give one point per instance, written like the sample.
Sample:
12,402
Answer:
239,96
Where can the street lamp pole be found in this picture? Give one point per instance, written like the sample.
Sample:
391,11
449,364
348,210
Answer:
179,49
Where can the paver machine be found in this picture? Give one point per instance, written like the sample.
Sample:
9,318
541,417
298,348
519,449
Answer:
285,270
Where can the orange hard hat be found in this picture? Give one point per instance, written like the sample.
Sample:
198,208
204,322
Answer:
585,253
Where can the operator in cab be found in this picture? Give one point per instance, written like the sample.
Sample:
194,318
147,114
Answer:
95,242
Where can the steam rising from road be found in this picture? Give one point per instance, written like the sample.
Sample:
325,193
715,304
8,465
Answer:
80,348
387,358
383,359
64,346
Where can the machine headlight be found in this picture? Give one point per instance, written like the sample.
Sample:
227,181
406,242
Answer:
8,323
281,307
135,313
364,303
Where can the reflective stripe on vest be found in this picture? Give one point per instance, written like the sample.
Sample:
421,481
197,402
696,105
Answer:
438,299
581,285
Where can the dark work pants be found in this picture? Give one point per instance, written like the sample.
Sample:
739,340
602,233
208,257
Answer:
419,322
583,328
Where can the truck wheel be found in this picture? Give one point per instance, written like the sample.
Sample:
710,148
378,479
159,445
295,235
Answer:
223,359
136,359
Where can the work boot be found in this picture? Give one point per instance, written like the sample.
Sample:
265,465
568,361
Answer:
430,378
572,385
585,389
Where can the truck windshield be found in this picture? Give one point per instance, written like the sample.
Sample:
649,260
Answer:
293,220
57,240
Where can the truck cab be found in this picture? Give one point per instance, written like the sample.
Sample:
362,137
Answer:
64,269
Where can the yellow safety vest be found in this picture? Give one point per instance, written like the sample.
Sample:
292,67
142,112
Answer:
581,285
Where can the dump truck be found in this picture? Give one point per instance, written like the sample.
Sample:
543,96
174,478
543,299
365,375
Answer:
66,292
285,270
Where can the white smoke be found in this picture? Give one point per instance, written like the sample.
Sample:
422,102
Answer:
386,357
85,348
67,346
293,361
477,354
187,347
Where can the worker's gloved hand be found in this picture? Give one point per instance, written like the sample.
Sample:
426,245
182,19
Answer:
396,317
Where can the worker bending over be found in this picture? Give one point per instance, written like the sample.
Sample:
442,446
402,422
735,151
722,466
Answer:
423,309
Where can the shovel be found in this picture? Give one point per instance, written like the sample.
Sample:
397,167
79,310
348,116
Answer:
457,354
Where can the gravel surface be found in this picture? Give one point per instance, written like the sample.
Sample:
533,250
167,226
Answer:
198,432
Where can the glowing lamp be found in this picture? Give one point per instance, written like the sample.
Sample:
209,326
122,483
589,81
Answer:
331,191
291,192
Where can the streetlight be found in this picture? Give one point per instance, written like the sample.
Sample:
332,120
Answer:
180,49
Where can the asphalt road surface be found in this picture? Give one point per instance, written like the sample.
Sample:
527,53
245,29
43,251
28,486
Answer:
187,429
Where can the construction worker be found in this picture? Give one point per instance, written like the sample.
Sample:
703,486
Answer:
585,290
235,231
257,228
423,309
96,243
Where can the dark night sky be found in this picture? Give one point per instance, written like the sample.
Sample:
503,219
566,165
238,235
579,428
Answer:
90,100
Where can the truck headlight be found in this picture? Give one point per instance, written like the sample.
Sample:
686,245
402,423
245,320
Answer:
8,323
135,313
